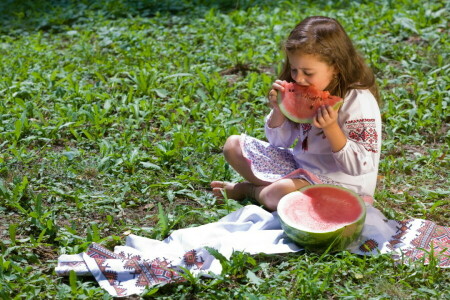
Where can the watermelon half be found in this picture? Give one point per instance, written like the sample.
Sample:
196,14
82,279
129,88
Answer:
299,103
322,216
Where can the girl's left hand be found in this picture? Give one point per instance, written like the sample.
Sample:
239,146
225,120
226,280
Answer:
326,116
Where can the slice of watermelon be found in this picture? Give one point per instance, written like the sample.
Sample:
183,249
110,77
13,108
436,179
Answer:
299,103
321,216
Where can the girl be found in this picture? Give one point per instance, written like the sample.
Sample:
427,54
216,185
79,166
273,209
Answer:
340,148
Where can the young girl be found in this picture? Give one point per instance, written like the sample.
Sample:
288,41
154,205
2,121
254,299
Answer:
340,148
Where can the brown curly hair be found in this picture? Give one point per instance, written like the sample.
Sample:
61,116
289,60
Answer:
327,38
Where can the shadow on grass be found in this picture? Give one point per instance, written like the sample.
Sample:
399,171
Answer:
17,16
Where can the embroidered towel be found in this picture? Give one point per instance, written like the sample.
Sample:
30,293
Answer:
144,262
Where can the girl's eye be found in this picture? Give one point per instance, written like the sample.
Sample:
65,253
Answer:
294,71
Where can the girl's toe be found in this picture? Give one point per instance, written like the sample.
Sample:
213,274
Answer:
218,184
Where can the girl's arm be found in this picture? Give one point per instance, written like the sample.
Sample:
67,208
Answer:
277,118
279,131
326,119
354,133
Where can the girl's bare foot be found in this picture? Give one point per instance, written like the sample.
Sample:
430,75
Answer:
236,191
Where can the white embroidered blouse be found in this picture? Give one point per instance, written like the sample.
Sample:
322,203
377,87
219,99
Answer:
356,165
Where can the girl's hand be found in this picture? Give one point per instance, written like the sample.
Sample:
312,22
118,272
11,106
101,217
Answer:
277,118
277,87
326,117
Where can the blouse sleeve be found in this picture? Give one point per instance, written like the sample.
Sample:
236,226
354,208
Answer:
360,120
282,136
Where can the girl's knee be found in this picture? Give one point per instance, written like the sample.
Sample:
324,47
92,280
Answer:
273,193
232,146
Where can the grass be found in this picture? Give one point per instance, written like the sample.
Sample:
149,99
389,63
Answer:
113,115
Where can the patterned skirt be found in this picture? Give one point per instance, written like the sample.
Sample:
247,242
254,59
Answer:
270,163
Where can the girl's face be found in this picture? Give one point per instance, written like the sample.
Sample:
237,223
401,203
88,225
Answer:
308,69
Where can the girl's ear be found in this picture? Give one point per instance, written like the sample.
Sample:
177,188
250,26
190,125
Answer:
335,72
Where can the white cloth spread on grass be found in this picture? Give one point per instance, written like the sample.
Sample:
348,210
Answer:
144,262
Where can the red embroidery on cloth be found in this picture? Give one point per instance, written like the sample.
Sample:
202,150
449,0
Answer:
368,246
129,256
363,131
152,272
72,264
97,251
431,235
359,120
305,144
133,265
306,128
148,272
190,259
110,275
156,271
100,255
402,230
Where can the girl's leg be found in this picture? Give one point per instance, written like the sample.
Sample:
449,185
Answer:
271,194
266,193
233,155
236,191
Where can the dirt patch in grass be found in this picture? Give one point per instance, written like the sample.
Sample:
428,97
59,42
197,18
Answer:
5,221
45,253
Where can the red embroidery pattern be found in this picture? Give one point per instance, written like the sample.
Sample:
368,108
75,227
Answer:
190,258
72,264
368,246
306,128
402,230
129,256
97,251
110,275
145,272
431,235
153,272
100,255
363,131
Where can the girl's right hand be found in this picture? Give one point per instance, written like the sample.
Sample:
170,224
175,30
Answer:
277,87
277,118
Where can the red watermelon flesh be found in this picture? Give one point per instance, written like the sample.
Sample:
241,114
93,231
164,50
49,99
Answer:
318,216
299,103
333,210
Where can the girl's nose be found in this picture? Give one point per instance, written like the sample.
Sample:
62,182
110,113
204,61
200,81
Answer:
299,79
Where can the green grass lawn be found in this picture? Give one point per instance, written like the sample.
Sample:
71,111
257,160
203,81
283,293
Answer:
113,115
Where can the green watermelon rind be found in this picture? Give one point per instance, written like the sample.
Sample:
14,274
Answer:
293,118
336,240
